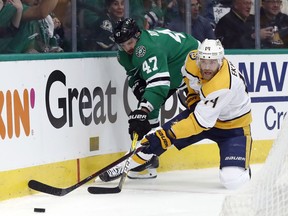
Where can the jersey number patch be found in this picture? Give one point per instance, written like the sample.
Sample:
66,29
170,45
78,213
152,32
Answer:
150,65
214,102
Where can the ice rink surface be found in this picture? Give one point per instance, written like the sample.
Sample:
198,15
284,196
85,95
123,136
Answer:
176,193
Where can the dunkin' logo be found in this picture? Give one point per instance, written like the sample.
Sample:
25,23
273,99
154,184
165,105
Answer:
15,112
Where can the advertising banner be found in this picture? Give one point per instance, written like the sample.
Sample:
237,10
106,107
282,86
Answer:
62,109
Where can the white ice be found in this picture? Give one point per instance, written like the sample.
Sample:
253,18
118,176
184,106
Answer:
176,193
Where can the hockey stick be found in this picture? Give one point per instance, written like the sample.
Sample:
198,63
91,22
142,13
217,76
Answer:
42,187
118,188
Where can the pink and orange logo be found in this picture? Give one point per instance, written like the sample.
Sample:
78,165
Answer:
15,112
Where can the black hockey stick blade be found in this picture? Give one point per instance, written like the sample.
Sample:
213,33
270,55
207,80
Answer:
106,190
45,188
103,190
118,188
41,187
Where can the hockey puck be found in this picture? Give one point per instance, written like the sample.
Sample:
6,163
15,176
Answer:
39,210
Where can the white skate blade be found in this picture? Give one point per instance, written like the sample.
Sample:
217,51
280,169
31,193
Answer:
145,174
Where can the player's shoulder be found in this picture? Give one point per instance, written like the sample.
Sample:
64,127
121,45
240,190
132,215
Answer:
141,50
145,47
190,62
120,55
145,40
192,56
123,58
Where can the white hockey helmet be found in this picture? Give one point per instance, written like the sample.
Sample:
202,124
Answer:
210,49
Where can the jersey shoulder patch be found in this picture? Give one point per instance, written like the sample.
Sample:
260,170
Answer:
140,51
193,55
191,65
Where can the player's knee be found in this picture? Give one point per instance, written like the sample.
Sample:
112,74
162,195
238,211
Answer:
234,177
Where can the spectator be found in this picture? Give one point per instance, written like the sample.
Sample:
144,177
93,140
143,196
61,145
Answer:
10,17
207,10
225,3
58,35
271,16
88,13
46,42
236,28
103,32
37,10
201,27
176,16
284,8
25,37
147,13
171,10
44,28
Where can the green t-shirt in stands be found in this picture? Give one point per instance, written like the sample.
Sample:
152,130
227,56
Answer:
24,37
6,14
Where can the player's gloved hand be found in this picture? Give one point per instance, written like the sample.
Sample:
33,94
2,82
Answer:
138,122
157,142
139,88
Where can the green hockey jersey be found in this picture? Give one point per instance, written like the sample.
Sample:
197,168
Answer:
158,57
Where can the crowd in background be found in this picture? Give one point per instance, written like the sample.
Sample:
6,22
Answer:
35,30
37,26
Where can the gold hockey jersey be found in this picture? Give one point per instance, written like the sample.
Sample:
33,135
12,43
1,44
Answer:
224,100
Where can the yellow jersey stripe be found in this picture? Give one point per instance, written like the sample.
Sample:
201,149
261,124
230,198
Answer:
187,127
238,122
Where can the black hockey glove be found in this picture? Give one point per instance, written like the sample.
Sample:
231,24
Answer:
139,88
138,122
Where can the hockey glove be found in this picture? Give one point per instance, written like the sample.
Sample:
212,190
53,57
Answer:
158,142
138,122
139,88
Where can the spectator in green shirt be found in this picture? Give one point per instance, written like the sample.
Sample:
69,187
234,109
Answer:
24,39
10,17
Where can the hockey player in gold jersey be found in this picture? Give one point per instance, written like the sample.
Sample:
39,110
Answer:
219,110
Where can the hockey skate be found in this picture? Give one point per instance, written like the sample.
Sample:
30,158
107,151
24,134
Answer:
112,174
144,171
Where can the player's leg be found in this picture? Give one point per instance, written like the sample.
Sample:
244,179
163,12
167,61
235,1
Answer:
235,150
142,166
145,165
233,177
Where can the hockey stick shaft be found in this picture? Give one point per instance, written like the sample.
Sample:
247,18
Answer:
118,188
45,188
127,164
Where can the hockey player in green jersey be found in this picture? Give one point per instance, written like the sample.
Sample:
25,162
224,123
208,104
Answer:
153,60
